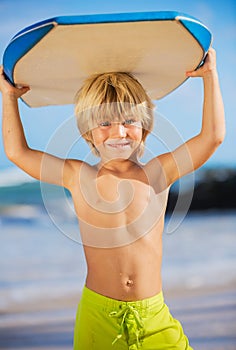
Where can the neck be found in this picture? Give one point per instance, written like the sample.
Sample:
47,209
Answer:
118,165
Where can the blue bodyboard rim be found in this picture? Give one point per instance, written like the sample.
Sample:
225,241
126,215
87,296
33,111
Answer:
27,38
108,18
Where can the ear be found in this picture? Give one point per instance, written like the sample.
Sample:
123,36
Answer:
89,139
145,134
88,136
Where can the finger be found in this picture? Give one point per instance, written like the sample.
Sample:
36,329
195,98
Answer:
192,74
24,89
18,86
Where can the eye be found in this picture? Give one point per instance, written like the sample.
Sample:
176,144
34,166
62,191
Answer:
105,124
129,121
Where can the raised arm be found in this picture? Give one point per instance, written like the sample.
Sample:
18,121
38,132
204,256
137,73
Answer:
39,165
196,151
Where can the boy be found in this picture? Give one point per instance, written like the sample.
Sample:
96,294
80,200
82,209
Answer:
120,204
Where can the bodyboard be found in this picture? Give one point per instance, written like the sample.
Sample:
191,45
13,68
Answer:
55,56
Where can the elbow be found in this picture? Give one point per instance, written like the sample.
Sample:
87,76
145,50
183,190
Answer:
10,153
15,152
13,155
217,135
218,139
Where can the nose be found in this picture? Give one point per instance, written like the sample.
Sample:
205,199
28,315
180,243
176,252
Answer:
118,130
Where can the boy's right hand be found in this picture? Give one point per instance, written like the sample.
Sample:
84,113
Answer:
7,89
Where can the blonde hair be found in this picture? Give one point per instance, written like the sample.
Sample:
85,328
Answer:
112,95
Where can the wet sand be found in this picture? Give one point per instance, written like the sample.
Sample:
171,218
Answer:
208,318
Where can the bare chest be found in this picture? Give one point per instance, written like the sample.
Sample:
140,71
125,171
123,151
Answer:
108,202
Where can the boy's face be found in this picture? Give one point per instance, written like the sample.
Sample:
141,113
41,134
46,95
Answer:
117,139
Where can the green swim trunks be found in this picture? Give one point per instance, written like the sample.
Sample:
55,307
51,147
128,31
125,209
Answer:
108,324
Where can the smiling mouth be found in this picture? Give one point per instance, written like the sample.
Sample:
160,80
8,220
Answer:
118,145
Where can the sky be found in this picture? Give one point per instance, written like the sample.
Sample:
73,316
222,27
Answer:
182,107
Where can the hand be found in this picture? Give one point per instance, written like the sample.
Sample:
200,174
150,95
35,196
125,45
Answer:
208,67
8,89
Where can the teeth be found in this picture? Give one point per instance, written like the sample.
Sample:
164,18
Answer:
115,145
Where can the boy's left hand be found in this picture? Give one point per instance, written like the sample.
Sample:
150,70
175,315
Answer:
208,67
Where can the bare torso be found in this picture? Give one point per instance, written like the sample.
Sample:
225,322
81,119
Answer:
121,224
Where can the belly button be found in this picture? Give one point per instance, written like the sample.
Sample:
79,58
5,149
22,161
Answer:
129,283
